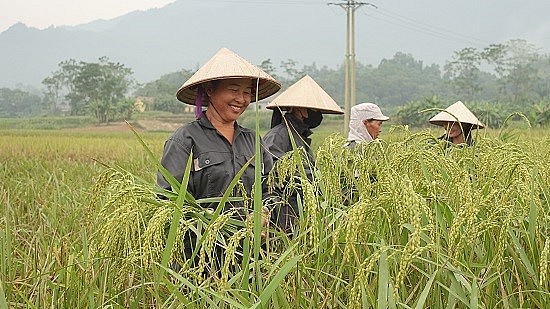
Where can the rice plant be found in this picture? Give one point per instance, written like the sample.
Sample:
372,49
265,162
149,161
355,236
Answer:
403,222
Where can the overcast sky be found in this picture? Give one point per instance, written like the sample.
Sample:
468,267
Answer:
44,13
431,30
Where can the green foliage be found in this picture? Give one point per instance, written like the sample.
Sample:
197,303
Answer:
166,85
541,114
491,115
515,73
400,80
167,103
18,103
46,123
417,113
515,64
99,88
463,73
435,227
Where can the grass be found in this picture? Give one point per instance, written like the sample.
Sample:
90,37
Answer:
461,228
45,194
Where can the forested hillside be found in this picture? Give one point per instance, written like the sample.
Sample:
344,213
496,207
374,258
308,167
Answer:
495,82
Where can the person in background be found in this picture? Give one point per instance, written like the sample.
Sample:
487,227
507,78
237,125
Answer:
365,123
305,102
220,147
459,122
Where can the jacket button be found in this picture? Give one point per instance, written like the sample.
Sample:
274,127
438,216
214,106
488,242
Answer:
207,161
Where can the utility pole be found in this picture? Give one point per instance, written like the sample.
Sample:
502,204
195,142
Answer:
349,82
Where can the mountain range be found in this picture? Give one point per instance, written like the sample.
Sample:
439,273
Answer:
186,33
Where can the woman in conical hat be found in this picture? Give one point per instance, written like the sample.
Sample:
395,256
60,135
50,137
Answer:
225,85
305,102
458,122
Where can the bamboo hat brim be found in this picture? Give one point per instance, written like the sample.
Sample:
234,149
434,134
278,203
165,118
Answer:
456,112
306,93
226,64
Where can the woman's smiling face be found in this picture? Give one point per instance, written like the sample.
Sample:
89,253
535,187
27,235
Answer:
230,97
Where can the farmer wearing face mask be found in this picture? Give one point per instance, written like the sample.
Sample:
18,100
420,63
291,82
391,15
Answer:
305,102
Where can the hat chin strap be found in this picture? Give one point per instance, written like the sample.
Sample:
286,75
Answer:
199,102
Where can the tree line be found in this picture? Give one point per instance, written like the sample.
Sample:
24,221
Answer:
495,81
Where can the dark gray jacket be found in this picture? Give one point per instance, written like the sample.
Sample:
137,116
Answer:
215,160
278,142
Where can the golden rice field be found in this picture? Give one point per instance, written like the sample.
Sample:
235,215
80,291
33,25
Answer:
401,223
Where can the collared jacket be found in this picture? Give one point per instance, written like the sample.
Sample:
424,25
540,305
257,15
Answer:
278,141
215,160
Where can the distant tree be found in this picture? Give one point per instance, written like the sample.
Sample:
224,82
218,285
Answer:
94,88
366,83
417,113
166,85
167,103
332,81
268,67
163,91
403,79
293,74
514,64
542,83
53,96
124,108
19,103
463,73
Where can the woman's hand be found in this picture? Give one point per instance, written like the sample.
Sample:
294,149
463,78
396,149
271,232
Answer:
266,215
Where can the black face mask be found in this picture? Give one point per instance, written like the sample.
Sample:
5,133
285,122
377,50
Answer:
313,119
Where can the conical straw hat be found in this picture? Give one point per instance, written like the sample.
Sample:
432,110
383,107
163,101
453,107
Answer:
223,65
457,111
306,93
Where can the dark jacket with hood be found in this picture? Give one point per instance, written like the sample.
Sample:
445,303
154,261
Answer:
278,141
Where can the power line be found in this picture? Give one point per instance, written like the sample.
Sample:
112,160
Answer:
425,28
428,26
384,15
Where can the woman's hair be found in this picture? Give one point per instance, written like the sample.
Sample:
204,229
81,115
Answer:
276,117
212,85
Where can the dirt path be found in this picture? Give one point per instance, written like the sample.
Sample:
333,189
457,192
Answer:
140,125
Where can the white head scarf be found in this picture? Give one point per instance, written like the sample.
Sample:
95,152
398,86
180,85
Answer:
360,112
